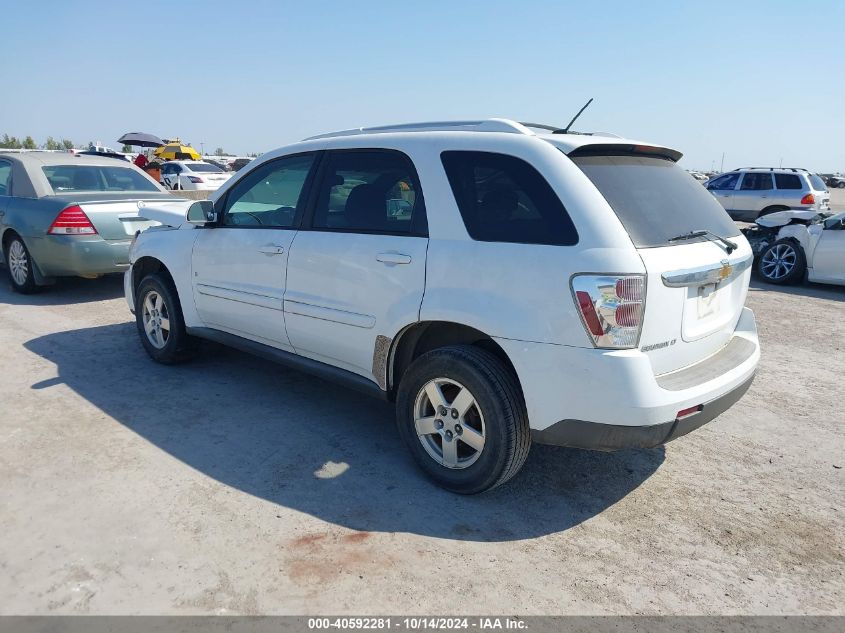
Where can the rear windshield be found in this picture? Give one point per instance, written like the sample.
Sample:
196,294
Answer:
818,183
96,178
654,198
205,167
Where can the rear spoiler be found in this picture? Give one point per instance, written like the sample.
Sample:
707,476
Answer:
625,149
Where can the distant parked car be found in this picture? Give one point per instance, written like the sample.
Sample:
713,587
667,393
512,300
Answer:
66,215
836,181
239,163
749,193
192,175
217,163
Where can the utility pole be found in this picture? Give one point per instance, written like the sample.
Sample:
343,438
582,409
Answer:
722,165
202,148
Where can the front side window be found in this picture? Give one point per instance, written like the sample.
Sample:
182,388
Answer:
271,195
95,178
787,181
371,192
504,199
725,182
756,181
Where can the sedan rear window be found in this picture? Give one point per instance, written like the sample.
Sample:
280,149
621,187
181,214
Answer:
95,178
204,167
654,198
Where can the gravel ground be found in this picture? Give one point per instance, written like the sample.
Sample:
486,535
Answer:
231,485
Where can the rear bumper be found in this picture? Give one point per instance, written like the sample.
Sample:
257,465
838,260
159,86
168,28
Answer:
610,437
70,255
607,400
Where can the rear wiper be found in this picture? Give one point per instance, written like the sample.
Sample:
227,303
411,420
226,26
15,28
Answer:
730,247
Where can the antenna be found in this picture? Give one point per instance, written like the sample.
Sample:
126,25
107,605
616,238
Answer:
566,129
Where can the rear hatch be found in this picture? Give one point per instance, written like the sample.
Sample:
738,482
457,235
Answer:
118,216
695,287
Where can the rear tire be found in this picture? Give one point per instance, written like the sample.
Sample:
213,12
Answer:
476,436
20,266
841,185
158,317
782,263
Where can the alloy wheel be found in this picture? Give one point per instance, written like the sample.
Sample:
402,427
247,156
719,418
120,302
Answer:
449,423
156,319
779,261
18,262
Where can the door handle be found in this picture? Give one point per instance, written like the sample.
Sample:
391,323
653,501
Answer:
393,258
271,249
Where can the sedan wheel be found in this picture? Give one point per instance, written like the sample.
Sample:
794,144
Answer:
20,267
449,423
18,263
782,263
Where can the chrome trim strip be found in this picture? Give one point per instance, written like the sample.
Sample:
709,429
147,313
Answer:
703,275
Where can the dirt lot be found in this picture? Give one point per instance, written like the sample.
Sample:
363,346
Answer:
231,485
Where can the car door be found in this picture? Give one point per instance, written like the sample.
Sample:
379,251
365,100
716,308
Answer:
239,266
722,187
356,271
755,190
829,255
167,175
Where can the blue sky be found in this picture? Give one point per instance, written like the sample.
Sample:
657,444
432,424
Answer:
760,81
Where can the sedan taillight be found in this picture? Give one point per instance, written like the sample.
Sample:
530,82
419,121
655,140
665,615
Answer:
611,308
72,221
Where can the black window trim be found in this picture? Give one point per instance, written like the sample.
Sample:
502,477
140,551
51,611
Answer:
576,234
419,223
304,196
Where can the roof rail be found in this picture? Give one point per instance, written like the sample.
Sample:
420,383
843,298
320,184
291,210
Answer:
795,169
480,125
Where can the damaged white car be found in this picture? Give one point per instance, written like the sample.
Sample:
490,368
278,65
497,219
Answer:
789,245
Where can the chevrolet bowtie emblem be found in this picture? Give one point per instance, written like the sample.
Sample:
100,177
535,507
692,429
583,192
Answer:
725,271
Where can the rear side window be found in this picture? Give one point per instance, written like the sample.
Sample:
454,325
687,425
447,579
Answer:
756,181
5,177
370,191
787,181
654,198
818,183
504,199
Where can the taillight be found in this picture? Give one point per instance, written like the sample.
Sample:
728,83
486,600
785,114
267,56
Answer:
194,178
72,221
611,308
808,199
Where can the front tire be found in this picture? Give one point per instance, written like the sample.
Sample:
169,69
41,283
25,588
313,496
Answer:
782,263
20,266
158,317
461,413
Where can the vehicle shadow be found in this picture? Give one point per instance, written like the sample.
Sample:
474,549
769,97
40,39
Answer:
817,291
319,448
66,291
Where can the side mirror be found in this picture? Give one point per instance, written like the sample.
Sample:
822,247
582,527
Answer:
202,212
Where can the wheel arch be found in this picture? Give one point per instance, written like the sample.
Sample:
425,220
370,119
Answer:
148,265
418,338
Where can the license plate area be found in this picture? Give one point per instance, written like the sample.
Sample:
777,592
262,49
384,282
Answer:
708,301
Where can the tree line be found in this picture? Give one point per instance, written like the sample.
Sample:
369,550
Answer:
13,142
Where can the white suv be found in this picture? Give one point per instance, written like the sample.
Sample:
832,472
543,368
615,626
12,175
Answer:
499,285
